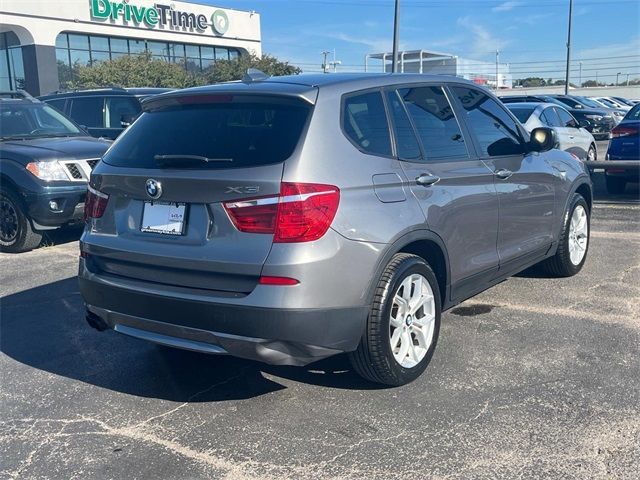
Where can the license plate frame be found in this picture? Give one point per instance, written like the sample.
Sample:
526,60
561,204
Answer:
164,218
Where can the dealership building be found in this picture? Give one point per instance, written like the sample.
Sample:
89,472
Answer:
42,41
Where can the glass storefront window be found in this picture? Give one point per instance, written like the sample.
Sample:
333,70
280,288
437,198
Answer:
119,45
75,50
222,54
99,43
79,42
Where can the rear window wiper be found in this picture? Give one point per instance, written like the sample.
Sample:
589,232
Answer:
180,159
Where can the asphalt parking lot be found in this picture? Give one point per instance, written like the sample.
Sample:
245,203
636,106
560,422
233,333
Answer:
534,378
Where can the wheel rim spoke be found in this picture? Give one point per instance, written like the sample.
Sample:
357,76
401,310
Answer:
412,320
578,235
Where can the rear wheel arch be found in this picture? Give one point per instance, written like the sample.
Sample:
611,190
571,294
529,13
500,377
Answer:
426,245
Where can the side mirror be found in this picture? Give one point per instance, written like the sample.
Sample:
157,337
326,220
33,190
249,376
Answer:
126,119
583,124
542,139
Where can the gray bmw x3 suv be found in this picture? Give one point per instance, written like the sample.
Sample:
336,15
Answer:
294,218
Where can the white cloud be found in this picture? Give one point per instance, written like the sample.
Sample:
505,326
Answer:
483,41
375,44
505,7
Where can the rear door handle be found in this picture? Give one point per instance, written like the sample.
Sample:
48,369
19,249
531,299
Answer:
426,179
503,173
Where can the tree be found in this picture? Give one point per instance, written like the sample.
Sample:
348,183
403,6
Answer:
592,83
229,70
133,71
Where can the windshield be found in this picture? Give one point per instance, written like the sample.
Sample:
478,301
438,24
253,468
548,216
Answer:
29,120
634,113
589,103
228,133
521,113
608,103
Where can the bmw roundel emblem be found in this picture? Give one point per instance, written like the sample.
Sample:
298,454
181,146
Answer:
154,188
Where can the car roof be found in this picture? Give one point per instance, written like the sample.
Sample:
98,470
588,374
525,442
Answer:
306,85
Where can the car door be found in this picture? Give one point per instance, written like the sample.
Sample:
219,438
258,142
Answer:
120,111
525,183
549,118
579,142
454,188
88,111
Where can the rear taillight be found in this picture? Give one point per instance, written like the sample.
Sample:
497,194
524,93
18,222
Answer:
95,203
303,212
624,131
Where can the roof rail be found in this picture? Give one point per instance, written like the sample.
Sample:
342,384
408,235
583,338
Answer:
16,94
94,89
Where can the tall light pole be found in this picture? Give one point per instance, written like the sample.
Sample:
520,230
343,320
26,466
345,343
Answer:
580,82
627,79
617,75
325,66
396,37
497,60
566,78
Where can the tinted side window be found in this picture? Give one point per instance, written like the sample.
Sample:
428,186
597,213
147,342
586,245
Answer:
57,104
495,131
120,108
566,119
407,145
88,111
550,118
365,123
435,122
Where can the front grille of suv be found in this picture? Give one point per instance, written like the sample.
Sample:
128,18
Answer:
79,170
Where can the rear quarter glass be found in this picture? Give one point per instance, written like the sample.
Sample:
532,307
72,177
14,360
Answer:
238,131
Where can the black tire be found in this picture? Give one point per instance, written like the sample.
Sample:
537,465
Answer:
374,358
615,185
592,154
16,232
560,265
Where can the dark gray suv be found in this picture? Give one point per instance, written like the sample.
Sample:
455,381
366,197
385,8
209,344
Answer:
294,218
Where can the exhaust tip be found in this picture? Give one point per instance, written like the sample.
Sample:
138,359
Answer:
96,322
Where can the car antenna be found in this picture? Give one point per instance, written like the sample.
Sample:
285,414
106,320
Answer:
254,75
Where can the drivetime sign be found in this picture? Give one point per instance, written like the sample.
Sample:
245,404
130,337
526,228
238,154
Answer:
163,15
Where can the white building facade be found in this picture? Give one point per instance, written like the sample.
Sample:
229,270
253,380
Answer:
437,63
41,41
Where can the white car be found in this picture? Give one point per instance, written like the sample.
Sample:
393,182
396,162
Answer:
572,137
610,102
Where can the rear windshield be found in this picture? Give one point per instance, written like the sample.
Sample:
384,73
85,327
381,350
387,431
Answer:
521,113
213,132
634,113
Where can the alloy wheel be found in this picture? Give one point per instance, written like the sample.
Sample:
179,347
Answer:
412,320
578,235
8,221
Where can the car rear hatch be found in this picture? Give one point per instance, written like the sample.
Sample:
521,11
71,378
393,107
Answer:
157,201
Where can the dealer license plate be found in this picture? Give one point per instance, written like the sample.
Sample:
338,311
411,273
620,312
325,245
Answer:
164,218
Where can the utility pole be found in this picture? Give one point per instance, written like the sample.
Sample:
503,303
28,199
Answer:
566,78
617,75
497,60
580,83
627,79
396,37
325,65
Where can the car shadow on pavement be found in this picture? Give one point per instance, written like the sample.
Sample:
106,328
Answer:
44,328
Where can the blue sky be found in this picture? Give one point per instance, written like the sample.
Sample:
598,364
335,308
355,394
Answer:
530,34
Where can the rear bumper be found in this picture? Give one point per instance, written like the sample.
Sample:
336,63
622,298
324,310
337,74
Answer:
200,323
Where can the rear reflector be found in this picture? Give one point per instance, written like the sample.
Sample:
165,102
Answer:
623,131
277,281
95,203
303,212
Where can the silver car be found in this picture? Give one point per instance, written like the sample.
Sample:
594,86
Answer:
572,137
293,218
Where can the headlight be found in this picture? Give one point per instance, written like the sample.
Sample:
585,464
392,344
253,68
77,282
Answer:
47,171
595,118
